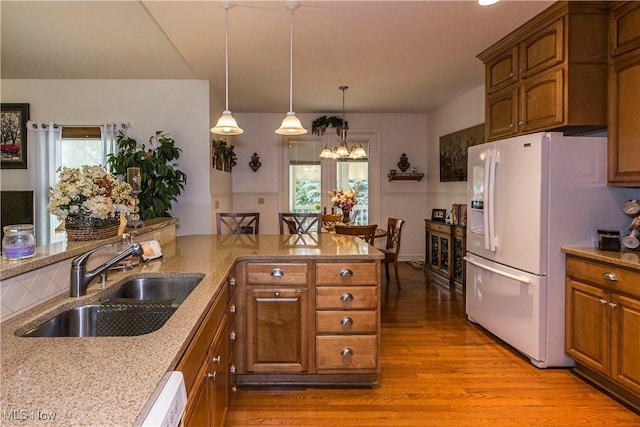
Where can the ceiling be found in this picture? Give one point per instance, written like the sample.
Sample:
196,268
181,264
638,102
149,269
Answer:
395,56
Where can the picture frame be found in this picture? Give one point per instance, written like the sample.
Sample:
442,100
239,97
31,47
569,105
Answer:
438,215
13,136
454,152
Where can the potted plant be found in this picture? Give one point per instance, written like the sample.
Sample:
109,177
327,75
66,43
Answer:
161,180
320,125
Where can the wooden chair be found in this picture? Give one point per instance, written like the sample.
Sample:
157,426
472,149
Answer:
365,232
237,223
300,223
392,248
330,220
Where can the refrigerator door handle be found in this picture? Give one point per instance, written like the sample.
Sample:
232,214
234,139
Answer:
487,200
493,239
515,277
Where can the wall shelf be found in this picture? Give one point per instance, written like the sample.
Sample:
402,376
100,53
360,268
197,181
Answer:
405,177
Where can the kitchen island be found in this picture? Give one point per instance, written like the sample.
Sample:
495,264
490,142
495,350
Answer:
114,380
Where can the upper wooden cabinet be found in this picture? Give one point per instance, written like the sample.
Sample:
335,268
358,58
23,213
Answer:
551,73
624,87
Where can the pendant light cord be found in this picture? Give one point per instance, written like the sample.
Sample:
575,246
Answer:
291,64
226,57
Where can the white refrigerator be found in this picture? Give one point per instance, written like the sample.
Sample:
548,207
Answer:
527,197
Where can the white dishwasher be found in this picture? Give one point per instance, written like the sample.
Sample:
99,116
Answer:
168,409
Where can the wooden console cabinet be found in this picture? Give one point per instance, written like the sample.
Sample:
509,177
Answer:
446,246
551,73
310,323
602,324
208,363
624,87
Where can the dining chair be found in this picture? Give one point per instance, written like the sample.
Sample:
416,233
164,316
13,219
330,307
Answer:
237,223
300,223
330,220
392,248
365,232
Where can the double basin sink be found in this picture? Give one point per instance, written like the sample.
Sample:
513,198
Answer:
137,307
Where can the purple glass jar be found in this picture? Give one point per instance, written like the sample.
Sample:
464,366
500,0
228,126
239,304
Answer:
18,242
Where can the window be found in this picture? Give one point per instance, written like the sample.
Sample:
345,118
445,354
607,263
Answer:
310,178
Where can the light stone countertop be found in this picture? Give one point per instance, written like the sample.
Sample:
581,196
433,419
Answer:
626,258
112,381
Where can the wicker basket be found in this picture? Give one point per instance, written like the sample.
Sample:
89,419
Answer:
84,227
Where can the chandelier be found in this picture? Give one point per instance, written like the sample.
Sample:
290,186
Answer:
343,151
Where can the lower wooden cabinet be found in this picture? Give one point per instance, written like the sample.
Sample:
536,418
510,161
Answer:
602,324
445,248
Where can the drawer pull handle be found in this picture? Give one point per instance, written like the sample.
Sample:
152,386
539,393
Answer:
277,272
346,352
277,294
613,305
232,369
610,276
346,272
345,321
603,301
346,297
232,309
216,359
211,376
232,336
232,281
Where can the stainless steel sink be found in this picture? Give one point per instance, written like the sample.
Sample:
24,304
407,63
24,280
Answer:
175,289
138,307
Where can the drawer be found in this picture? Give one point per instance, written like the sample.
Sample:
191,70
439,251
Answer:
619,278
353,352
196,353
346,322
440,228
276,273
346,298
360,273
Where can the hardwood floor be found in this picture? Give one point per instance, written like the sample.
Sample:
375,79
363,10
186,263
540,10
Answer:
438,369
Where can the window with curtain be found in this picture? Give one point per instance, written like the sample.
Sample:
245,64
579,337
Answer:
311,178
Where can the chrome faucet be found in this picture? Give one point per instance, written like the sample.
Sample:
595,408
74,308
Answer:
80,277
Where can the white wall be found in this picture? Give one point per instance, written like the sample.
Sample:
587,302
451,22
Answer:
397,134
179,107
461,113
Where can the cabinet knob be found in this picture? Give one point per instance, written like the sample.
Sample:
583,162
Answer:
345,321
610,276
520,122
232,336
232,369
216,359
346,297
510,74
211,376
346,352
232,308
346,272
603,301
277,294
521,70
511,125
277,272
232,281
613,305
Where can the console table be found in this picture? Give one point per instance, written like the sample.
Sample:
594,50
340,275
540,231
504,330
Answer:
446,246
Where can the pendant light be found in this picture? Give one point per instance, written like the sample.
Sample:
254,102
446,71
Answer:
291,124
226,124
342,151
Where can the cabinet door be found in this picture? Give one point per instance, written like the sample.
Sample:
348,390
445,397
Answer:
624,121
277,331
197,411
541,102
502,71
587,325
219,378
625,28
459,251
542,50
625,342
502,114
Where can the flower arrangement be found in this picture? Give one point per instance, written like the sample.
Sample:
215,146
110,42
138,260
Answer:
89,190
345,200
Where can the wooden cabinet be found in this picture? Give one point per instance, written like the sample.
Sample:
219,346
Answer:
347,317
549,74
624,87
446,248
206,363
309,323
602,324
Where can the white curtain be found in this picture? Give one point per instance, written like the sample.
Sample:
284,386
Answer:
45,136
110,134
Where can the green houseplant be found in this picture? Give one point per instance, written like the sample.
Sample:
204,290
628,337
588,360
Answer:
319,126
161,180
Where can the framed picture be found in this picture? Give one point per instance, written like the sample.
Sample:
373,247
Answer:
453,152
13,136
438,215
